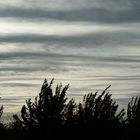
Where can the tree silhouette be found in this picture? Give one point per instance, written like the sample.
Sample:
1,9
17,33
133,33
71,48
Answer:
133,111
1,111
2,133
133,118
46,112
99,114
52,114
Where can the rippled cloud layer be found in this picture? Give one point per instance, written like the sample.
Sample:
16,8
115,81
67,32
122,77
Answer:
87,43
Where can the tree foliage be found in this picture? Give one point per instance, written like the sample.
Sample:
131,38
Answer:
100,107
52,114
47,109
133,111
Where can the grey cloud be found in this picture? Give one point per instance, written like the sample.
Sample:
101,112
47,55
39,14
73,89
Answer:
33,55
27,38
54,61
32,69
112,78
89,40
103,14
18,84
108,61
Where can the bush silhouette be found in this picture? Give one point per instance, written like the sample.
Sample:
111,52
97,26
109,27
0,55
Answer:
133,118
46,112
133,111
52,114
98,114
2,132
101,108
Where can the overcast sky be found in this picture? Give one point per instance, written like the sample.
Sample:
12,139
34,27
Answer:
87,43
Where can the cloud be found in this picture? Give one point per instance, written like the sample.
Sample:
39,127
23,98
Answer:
18,84
71,40
110,11
120,38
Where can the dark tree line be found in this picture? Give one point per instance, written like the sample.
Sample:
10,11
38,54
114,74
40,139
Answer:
52,115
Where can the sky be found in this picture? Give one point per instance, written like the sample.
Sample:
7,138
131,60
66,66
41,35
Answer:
89,44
